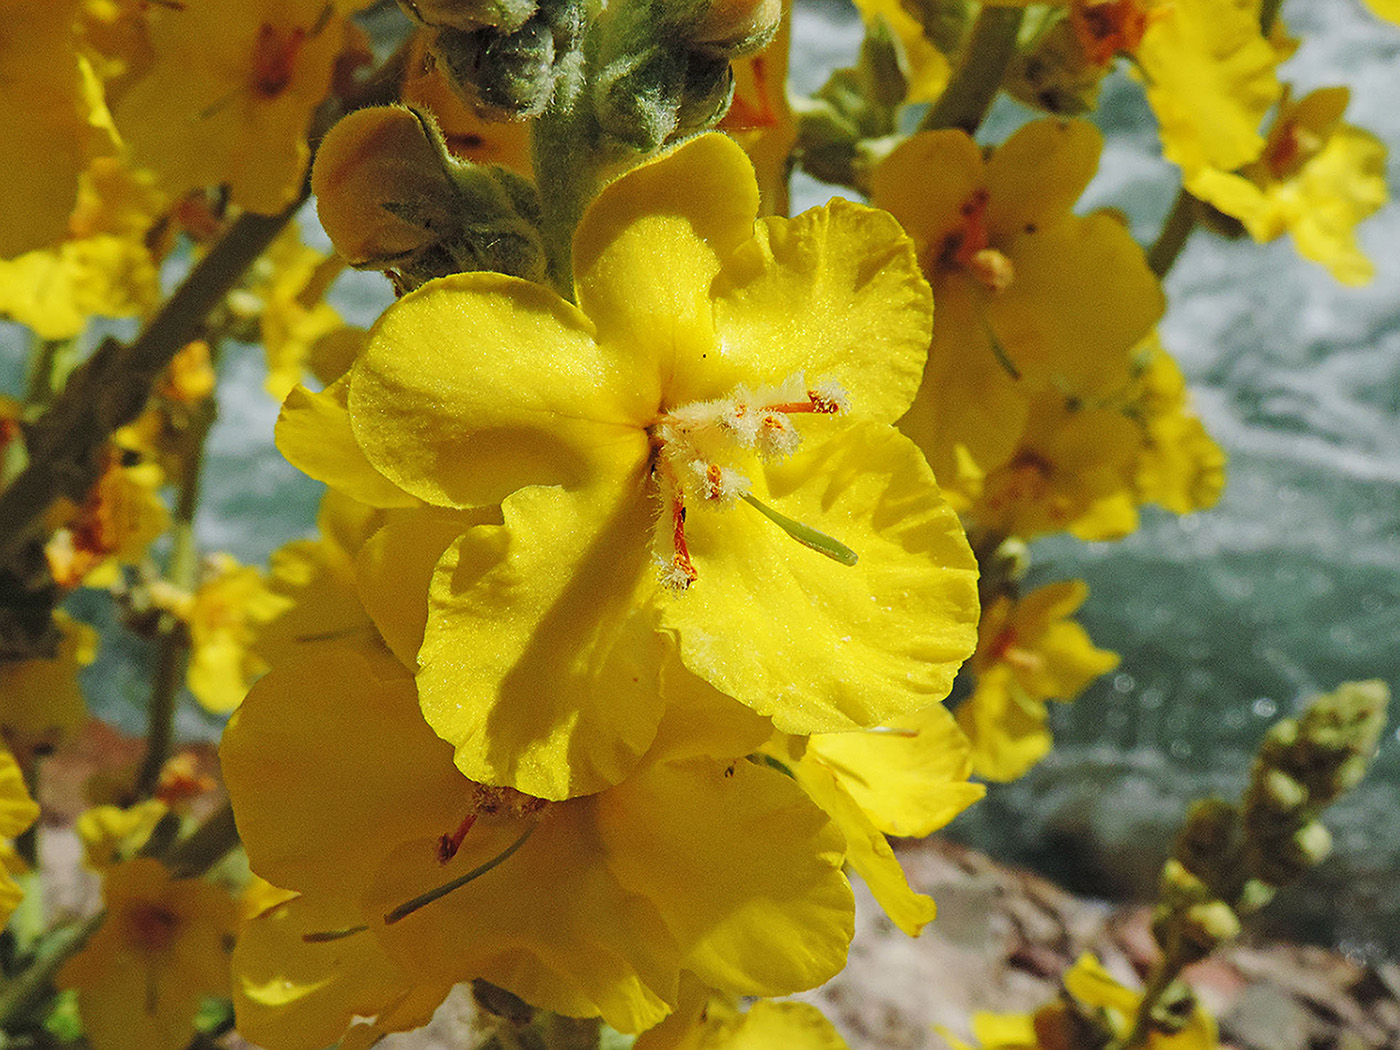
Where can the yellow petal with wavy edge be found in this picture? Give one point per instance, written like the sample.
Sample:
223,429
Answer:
834,294
313,432
552,924
909,781
300,995
1006,727
817,646
745,870
867,850
476,385
1210,80
541,657
649,245
307,825
1036,175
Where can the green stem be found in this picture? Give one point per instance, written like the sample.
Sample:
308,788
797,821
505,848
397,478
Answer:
969,94
1176,230
52,360
20,996
1162,977
173,643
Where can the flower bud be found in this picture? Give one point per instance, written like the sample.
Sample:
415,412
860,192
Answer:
1054,74
467,15
638,96
728,29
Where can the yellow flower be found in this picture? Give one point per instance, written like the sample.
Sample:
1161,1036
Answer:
707,1021
700,861
222,617
1030,296
286,290
1093,986
1211,79
229,95
703,349
52,121
162,948
1028,652
110,834
122,516
1180,466
1072,471
906,779
1316,179
41,703
760,116
17,812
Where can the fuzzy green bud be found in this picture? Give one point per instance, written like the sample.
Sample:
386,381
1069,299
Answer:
1255,895
1173,1009
728,29
638,96
467,15
1211,924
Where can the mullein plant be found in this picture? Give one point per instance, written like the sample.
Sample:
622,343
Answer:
659,525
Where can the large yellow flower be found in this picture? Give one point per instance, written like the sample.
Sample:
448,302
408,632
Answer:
704,348
701,861
1030,297
17,812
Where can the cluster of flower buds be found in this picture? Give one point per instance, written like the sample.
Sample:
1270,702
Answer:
505,57
392,197
666,71
1228,860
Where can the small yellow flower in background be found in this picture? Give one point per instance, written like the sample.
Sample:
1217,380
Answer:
101,267
1030,297
17,812
1072,472
229,94
1180,466
111,834
1387,9
704,350
1316,180
222,616
121,517
41,703
162,948
1028,652
906,779
1093,986
707,1021
286,290
53,120
700,862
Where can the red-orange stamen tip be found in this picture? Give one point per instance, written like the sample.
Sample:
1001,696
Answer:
448,845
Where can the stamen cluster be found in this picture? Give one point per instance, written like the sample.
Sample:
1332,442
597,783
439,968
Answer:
691,442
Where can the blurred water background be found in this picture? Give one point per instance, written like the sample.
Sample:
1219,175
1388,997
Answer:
1226,620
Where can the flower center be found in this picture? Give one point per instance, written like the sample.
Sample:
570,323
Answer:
152,927
489,801
968,247
274,59
692,444
1107,27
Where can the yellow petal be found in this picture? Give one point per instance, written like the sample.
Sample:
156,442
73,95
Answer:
818,646
285,753
541,658
649,245
834,294
478,384
1006,727
929,209
313,432
911,780
745,871
1036,175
